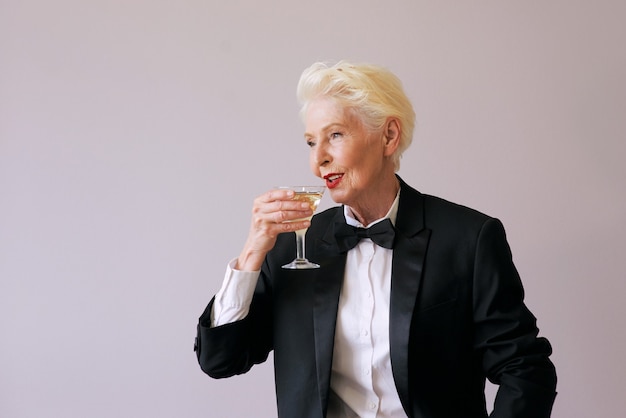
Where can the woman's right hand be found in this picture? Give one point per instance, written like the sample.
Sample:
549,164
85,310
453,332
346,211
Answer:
270,214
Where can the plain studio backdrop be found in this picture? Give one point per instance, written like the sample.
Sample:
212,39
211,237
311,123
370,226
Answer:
134,136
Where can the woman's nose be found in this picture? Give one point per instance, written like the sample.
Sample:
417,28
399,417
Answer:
321,156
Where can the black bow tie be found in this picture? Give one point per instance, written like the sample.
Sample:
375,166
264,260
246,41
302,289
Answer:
382,233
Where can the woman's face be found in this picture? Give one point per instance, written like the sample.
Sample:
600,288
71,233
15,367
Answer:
345,153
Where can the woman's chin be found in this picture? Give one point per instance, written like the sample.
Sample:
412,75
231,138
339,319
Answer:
338,196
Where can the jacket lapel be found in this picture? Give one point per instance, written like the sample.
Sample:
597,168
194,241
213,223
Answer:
329,278
406,275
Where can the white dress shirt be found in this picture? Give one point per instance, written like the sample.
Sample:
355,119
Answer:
361,381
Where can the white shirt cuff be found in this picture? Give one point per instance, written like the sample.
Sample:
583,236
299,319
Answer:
232,301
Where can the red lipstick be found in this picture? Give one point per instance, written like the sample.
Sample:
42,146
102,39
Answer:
333,180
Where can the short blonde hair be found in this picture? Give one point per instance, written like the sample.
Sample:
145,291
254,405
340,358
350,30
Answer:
373,92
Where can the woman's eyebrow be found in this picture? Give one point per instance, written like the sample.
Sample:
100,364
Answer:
329,127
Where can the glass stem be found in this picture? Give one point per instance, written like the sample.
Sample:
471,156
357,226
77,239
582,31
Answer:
300,255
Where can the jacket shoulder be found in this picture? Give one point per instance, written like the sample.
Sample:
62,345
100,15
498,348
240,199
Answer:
437,207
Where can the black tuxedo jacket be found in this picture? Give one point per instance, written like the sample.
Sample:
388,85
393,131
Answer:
457,317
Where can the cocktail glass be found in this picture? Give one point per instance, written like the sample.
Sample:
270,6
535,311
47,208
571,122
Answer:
312,195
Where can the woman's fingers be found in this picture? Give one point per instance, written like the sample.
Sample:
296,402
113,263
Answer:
278,207
273,213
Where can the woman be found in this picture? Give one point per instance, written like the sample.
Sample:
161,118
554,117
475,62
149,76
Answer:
408,326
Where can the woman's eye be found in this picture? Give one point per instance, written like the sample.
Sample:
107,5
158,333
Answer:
335,135
310,143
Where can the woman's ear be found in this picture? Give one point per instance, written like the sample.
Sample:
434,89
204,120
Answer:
391,135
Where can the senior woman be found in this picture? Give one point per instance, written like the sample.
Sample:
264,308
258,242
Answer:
411,325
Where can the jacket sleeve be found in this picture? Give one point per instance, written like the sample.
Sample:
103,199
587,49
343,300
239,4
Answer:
506,334
233,348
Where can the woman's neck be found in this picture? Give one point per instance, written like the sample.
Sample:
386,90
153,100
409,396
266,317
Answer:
377,204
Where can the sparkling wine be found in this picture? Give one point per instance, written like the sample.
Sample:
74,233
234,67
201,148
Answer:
312,198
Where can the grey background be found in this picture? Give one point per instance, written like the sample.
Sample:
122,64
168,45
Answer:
134,136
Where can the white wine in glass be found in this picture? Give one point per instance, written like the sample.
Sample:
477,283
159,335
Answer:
312,195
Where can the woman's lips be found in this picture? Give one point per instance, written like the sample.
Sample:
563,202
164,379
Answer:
333,180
